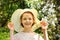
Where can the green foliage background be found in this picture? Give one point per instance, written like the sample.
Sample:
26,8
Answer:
7,7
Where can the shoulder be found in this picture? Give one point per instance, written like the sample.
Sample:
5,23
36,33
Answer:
40,37
17,34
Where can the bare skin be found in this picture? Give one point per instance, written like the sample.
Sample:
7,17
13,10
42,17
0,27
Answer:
27,22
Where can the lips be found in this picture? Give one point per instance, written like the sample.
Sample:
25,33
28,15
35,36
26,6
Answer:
27,23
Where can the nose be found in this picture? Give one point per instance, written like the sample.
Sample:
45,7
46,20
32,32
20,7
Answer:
27,20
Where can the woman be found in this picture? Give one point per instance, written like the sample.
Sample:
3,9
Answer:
25,21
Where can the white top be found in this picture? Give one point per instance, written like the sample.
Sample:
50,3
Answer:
27,36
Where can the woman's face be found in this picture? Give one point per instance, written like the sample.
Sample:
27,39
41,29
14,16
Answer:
27,20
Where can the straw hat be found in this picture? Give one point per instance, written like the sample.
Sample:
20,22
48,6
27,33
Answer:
16,19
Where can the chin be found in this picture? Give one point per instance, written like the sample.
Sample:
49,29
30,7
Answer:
27,26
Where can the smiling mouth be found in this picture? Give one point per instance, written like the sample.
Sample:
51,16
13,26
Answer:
27,23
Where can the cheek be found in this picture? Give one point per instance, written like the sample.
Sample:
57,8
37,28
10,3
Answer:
32,21
22,21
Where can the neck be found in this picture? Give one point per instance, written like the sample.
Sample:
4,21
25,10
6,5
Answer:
27,30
